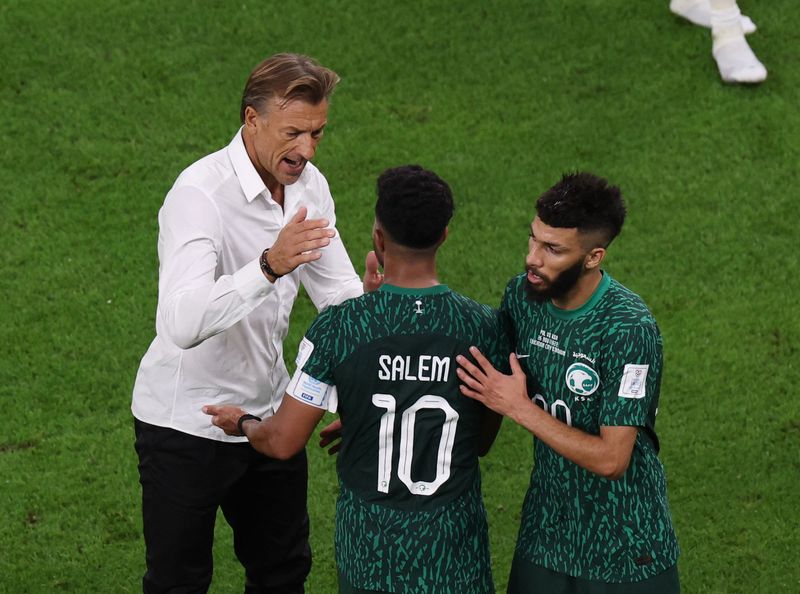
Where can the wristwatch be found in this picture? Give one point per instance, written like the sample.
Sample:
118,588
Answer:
244,418
265,267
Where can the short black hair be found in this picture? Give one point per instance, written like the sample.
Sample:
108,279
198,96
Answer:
584,201
414,206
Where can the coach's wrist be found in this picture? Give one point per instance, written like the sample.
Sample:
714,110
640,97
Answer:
266,268
243,419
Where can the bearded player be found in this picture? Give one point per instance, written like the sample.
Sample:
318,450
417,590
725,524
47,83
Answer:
585,382
409,517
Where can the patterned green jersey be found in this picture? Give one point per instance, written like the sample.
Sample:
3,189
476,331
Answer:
409,516
593,366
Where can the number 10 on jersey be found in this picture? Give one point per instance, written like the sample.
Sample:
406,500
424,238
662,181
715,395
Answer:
407,421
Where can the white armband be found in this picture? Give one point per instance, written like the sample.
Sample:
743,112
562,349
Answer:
308,389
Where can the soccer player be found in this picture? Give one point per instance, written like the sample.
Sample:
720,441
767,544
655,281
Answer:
410,516
735,59
585,382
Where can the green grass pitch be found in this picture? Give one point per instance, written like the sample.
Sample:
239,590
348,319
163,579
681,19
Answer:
103,103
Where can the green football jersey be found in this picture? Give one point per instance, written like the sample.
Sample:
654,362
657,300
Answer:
410,517
597,365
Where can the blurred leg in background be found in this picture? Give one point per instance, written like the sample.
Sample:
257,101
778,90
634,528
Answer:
735,59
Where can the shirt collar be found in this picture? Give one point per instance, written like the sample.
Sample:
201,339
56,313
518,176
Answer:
251,183
571,314
249,179
434,290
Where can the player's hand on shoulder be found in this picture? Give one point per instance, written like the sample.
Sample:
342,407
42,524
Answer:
500,392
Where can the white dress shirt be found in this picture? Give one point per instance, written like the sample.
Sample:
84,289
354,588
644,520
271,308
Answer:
220,323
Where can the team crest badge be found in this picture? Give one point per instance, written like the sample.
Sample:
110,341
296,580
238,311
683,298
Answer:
582,379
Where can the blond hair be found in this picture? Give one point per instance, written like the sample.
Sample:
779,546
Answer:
287,77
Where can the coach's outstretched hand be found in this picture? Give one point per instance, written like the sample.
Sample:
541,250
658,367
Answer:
373,277
504,394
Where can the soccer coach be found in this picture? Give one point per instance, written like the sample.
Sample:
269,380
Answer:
239,231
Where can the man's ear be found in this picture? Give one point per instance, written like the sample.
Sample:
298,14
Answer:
594,258
378,240
250,117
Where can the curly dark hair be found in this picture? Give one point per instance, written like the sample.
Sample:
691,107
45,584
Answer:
584,201
414,206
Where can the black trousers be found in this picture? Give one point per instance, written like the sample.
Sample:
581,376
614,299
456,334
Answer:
185,479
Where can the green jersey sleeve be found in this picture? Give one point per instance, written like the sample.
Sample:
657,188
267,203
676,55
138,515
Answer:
312,382
631,375
315,356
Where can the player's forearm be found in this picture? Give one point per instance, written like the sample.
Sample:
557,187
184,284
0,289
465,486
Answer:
266,438
591,452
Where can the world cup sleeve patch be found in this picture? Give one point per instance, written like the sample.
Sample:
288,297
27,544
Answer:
634,381
303,352
312,391
304,387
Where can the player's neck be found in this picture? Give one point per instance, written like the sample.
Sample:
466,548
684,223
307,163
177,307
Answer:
409,273
582,291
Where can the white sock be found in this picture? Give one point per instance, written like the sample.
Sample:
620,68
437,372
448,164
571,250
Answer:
699,13
736,61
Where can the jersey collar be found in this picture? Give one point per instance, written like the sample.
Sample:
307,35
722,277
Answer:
571,314
435,290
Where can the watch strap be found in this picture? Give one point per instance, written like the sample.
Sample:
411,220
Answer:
246,417
265,267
